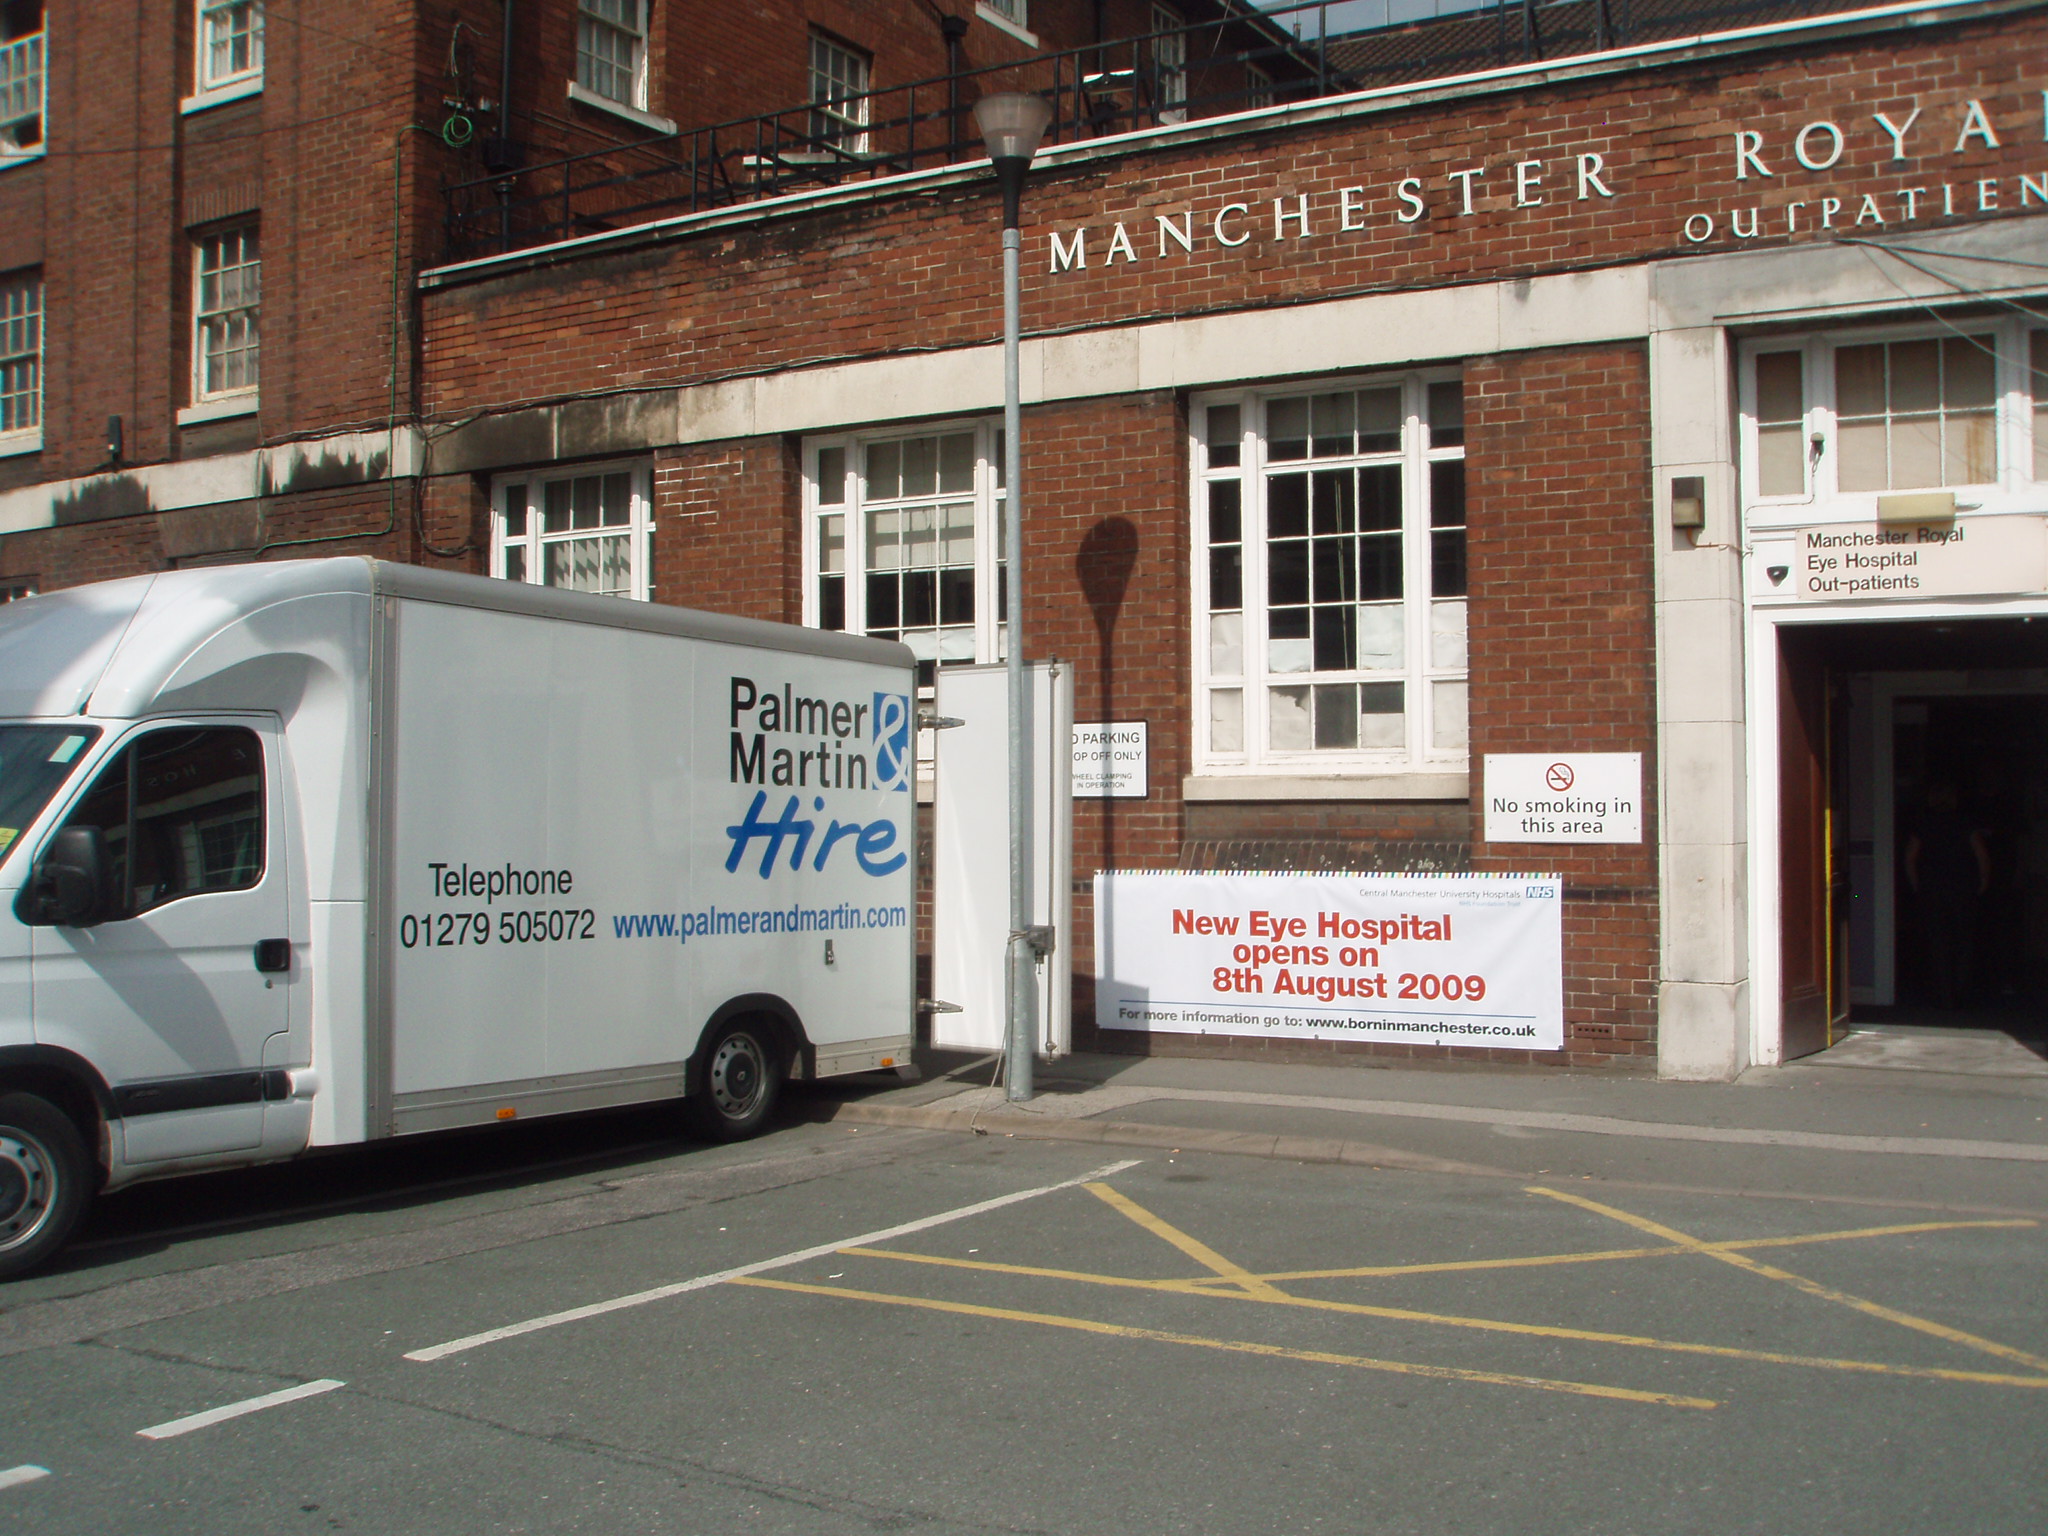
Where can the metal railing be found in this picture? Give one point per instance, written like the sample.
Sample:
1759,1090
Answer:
1205,69
21,94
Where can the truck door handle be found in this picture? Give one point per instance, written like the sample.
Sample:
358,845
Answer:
273,955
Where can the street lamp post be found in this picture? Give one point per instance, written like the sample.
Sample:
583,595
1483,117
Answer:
1011,125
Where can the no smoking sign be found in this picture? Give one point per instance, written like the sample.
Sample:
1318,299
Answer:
1578,797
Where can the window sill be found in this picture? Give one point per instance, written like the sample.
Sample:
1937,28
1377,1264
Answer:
9,158
221,95
1003,23
1454,785
218,410
647,120
13,444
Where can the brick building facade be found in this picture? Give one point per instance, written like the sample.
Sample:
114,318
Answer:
1556,362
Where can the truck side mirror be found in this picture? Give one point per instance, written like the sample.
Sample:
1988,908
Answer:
69,887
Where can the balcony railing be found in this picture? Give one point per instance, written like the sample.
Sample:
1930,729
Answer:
1205,69
21,94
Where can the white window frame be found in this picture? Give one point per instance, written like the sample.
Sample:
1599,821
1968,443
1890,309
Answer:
988,499
1258,88
590,20
1170,63
2014,416
1010,16
840,81
211,322
21,357
638,529
214,21
1420,673
24,95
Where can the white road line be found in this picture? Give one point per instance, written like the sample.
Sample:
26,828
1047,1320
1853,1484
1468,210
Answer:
704,1282
227,1411
14,1477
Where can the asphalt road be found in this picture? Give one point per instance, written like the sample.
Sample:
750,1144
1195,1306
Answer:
592,1327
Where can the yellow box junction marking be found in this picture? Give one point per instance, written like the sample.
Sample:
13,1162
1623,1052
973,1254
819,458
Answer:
1799,1282
1238,1346
1228,1280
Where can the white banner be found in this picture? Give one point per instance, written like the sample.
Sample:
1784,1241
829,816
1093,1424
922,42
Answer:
1429,959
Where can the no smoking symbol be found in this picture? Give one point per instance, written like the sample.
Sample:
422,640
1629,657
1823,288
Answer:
1558,776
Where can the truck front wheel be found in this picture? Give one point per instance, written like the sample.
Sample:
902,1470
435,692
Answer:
44,1186
742,1077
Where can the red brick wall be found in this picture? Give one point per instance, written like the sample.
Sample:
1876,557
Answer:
867,280
1563,648
727,534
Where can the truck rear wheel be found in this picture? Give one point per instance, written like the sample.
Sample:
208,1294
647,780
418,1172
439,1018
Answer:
742,1077
44,1186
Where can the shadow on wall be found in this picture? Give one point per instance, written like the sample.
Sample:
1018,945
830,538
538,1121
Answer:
1108,555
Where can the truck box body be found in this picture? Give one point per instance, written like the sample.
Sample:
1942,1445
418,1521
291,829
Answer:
402,850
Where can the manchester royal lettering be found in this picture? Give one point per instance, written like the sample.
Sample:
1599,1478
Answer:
1758,161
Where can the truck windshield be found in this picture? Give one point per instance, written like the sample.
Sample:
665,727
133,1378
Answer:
34,761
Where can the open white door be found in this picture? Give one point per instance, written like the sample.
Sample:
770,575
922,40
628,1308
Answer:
971,853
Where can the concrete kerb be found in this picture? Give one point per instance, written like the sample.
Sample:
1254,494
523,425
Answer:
1084,1109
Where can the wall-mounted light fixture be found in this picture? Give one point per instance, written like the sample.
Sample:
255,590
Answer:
1689,502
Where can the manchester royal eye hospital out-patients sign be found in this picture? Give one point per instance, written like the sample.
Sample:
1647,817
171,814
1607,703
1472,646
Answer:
1427,959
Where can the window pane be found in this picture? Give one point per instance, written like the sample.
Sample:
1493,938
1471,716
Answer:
198,798
1780,387
1781,460
515,511
1915,368
515,562
1226,644
1287,428
1447,528
1862,464
1383,720
555,507
1225,512
1333,419
921,466
1336,706
1447,635
1226,720
831,476
618,500
1859,381
1969,372
1379,420
1224,434
1287,506
1226,578
832,543
1382,637
1972,449
1916,451
1288,720
590,564
1447,414
1448,730
956,463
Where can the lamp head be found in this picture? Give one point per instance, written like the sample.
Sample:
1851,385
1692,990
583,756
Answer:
1012,123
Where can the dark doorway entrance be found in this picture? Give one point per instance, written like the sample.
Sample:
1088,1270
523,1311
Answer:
1913,828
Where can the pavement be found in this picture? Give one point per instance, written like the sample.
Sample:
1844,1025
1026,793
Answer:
1919,1096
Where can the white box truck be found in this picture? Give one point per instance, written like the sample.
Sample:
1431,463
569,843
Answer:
313,853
